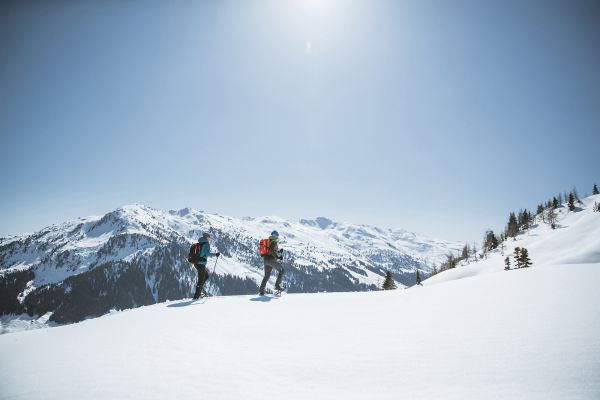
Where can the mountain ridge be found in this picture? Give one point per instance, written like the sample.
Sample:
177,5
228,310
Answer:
137,254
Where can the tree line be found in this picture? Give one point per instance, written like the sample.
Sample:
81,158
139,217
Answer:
518,222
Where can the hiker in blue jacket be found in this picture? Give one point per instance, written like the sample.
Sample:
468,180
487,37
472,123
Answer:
203,253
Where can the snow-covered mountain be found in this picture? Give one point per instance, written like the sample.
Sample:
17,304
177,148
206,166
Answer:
136,255
576,240
472,332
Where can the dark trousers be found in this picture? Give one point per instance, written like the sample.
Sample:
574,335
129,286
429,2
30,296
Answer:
271,263
202,278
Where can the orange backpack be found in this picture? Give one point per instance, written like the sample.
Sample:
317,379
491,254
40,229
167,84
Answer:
264,247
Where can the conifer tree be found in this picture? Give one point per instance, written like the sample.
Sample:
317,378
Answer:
507,264
555,203
540,209
517,257
465,252
595,190
490,241
389,283
418,278
524,219
524,258
551,217
450,261
512,228
571,202
576,195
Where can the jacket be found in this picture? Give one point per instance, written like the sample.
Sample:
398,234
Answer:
204,251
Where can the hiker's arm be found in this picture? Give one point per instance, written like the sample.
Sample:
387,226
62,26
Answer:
205,251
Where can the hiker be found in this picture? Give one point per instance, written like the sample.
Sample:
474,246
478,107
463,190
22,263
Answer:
199,254
271,258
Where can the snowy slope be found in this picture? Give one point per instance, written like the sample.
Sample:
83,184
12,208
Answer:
576,240
527,334
523,334
136,255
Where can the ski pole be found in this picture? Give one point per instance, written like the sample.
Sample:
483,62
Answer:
213,272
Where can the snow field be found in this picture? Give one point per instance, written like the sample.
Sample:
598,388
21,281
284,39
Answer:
525,334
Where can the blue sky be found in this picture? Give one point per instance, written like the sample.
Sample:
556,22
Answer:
434,116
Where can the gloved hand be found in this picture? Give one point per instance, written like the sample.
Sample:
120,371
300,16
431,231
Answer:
218,254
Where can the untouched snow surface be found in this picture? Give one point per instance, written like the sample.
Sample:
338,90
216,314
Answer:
526,334
523,334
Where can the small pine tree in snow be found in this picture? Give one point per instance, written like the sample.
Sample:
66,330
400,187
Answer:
506,263
490,241
555,202
512,228
540,209
551,217
418,278
524,258
571,202
576,195
527,220
523,219
465,252
451,260
517,257
595,190
389,283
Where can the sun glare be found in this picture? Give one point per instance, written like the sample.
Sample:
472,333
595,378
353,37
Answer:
318,7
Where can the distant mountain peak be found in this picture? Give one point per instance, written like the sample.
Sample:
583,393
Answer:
184,212
320,222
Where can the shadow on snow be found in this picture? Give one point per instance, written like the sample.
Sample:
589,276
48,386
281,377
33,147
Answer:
186,303
264,299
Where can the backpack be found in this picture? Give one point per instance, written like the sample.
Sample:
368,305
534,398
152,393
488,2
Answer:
264,247
194,254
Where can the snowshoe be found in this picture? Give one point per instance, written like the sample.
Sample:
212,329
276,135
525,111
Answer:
279,290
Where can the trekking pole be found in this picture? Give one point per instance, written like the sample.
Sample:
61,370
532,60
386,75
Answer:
213,272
